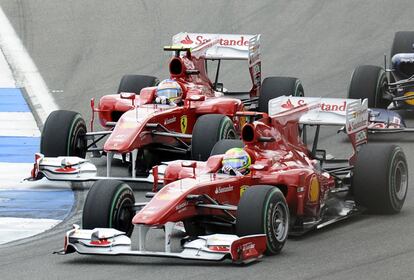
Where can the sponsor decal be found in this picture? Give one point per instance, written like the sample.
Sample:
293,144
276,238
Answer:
360,136
242,190
339,107
170,121
66,169
223,189
183,123
314,190
287,105
248,246
200,39
187,40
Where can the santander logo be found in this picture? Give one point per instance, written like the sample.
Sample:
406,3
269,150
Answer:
338,107
287,105
187,40
200,39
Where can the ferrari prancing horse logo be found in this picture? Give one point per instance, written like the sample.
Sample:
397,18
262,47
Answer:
183,122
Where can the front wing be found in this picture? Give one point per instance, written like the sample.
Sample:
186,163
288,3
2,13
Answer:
216,247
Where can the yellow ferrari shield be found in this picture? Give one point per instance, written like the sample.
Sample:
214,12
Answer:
183,122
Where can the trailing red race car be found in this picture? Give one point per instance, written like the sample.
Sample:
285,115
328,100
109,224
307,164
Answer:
147,123
249,195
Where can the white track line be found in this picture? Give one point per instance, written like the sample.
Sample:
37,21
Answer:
25,71
23,124
17,228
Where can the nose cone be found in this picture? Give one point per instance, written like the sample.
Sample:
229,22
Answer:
128,129
167,204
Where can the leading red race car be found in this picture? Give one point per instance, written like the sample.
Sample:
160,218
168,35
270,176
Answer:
144,121
287,189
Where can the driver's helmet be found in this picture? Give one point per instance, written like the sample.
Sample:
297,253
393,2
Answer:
168,91
236,161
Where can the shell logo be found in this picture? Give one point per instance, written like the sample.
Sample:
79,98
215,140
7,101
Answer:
409,101
314,189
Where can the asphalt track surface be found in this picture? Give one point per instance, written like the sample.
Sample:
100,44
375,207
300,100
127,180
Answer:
84,47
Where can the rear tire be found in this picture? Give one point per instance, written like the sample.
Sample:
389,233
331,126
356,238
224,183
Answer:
222,146
369,81
64,135
380,180
109,204
208,130
273,87
402,43
134,83
263,210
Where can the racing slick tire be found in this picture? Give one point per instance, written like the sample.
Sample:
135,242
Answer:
207,131
134,83
403,43
380,179
273,87
222,146
263,210
109,204
63,135
369,81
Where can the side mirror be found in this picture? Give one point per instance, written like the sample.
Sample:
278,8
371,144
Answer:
192,164
127,95
219,87
196,97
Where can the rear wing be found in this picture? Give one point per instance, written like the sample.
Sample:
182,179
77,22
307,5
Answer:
227,46
350,113
323,111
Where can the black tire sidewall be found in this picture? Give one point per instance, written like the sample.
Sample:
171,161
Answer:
207,131
273,87
255,212
373,184
369,81
222,146
103,202
61,131
135,83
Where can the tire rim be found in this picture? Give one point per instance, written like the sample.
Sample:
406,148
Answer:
280,222
400,180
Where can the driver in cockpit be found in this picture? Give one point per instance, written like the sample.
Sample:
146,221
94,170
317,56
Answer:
168,92
236,161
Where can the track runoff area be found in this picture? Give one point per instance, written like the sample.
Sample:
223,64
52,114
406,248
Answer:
25,209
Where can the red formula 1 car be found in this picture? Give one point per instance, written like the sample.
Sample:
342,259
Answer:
289,189
146,126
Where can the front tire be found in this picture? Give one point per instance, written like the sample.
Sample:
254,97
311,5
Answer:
208,130
64,135
273,87
380,179
369,81
109,204
263,210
